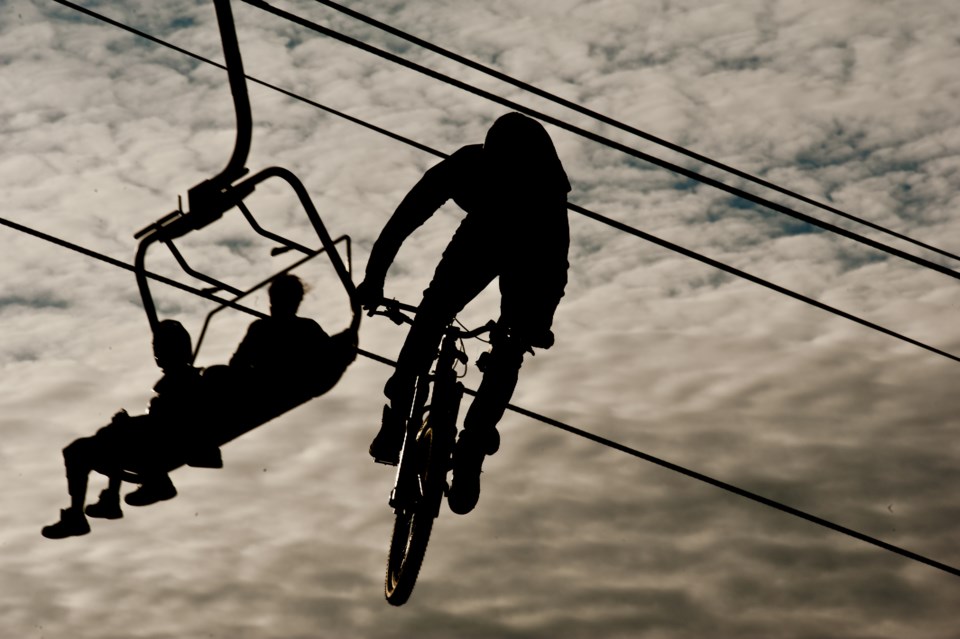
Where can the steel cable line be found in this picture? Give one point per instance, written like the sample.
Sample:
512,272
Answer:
765,283
200,58
120,264
579,108
578,209
549,119
609,443
730,488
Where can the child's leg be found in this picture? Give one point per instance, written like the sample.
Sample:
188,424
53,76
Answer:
78,459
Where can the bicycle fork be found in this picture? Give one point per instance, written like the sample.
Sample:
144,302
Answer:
408,486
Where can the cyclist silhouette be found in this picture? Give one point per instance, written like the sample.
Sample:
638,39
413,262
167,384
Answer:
142,442
513,189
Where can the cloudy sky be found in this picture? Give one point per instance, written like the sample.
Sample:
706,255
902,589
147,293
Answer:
854,102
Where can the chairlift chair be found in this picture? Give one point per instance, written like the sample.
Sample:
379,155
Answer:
208,201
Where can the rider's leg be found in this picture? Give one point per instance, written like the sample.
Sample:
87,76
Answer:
499,381
466,268
414,360
526,311
527,305
464,271
479,436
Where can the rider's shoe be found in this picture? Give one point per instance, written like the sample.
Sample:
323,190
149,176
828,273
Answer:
107,507
465,487
72,524
385,447
152,492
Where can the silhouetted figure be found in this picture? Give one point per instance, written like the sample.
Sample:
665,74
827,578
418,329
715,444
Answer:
282,354
513,189
142,443
282,361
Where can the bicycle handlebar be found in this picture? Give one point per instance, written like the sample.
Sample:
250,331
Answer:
398,312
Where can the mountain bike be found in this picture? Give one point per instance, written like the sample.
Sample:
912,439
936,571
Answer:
425,458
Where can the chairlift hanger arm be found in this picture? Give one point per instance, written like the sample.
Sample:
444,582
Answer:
210,199
207,197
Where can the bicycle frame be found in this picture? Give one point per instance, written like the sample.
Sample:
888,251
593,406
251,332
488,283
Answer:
430,431
445,394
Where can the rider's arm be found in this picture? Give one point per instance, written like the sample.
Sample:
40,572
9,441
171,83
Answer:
547,240
548,264
428,195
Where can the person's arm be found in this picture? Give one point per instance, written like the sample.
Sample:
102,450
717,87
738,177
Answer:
246,353
551,267
428,195
175,396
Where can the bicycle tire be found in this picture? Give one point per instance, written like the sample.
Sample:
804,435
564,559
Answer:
412,526
407,549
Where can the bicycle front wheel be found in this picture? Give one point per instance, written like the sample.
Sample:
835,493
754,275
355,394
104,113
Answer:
414,522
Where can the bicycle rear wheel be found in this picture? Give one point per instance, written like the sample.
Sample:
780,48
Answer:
414,522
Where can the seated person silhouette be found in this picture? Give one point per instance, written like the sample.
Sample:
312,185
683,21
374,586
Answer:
142,443
513,189
282,358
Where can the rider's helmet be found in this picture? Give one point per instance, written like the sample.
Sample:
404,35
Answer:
518,148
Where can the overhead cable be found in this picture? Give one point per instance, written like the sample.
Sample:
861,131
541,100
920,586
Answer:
573,207
219,65
120,264
579,108
549,119
609,443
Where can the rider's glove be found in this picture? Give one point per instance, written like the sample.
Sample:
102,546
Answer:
369,294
